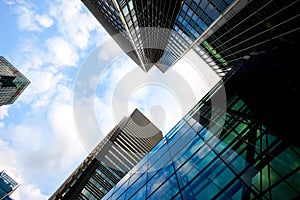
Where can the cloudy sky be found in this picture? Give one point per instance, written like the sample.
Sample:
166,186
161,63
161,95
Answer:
53,43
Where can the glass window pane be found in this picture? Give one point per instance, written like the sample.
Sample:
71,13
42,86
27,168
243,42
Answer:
187,151
167,190
159,164
187,137
136,185
159,178
141,194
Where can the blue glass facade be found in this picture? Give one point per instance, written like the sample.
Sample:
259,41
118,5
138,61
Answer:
7,186
241,160
247,149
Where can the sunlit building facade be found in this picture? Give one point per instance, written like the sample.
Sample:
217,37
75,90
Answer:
246,149
158,32
7,186
12,82
111,160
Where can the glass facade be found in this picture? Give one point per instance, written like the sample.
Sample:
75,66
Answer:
193,19
111,160
260,26
247,149
240,160
159,32
7,186
12,82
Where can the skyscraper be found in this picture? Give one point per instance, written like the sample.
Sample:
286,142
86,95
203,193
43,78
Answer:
246,149
157,32
254,28
223,32
116,154
7,186
12,82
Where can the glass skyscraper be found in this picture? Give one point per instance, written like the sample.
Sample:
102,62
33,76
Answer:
254,28
111,160
223,32
245,150
7,186
12,82
157,32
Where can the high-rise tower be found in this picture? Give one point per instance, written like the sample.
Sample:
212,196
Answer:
156,32
247,29
7,186
111,160
223,32
12,82
246,148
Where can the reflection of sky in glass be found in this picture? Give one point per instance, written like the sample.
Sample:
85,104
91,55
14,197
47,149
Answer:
196,163
207,167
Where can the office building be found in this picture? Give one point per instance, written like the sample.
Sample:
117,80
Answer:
7,186
158,32
223,32
247,149
260,25
12,82
111,160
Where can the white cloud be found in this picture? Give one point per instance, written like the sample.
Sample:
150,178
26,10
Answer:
44,146
26,19
29,19
44,20
61,52
28,192
73,22
124,87
10,165
8,2
3,114
3,111
50,155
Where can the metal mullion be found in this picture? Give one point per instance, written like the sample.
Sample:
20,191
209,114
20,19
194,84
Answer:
118,161
129,150
123,158
274,14
114,167
136,146
134,160
254,36
128,31
138,134
122,155
267,40
242,21
100,179
112,175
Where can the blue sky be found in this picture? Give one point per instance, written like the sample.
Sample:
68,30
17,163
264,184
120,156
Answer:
49,41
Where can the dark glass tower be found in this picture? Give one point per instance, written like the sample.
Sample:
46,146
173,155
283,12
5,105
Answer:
12,82
260,25
157,32
111,160
7,186
247,149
